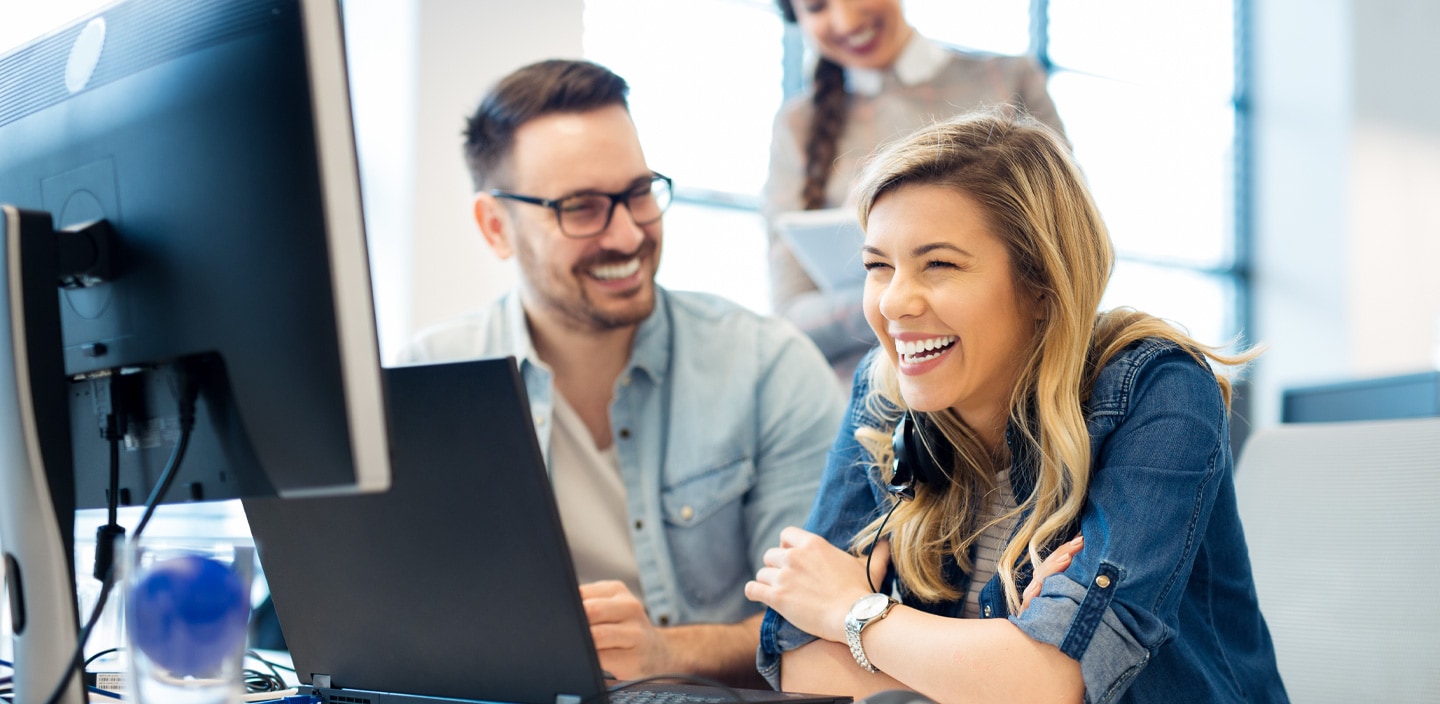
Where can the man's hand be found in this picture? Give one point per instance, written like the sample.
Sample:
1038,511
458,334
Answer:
629,645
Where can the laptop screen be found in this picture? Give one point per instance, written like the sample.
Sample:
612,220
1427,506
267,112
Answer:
455,583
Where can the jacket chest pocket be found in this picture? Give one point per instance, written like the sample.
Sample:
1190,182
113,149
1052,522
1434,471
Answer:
705,526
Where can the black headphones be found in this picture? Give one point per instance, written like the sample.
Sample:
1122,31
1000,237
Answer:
919,458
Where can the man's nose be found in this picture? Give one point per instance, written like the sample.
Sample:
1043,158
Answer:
622,234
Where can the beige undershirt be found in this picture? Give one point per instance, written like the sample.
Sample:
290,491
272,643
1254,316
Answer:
591,496
987,548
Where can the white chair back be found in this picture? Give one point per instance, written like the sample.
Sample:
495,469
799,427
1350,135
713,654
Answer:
1343,526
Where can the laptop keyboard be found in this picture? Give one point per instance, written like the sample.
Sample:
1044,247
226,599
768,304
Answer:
644,696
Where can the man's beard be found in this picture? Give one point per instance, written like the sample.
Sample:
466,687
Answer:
577,311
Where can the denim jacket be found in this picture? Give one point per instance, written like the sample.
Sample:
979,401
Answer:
721,420
1159,606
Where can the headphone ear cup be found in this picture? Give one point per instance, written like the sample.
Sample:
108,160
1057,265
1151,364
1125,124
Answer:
902,477
922,456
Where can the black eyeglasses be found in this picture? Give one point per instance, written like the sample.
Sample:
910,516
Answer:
588,214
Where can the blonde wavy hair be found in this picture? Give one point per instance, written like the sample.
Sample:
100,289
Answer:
1037,203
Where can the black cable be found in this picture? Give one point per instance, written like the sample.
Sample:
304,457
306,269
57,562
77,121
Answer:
107,535
256,681
878,532
282,666
75,662
99,655
187,423
168,477
112,433
689,679
272,666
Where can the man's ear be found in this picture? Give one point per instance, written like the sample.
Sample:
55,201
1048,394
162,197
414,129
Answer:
495,225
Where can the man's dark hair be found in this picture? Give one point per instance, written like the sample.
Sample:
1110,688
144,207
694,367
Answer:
543,88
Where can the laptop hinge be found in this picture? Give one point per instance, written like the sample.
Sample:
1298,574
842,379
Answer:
320,680
568,699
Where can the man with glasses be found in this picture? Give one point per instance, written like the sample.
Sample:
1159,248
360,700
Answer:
682,431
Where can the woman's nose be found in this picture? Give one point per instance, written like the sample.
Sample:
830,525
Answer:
845,17
901,298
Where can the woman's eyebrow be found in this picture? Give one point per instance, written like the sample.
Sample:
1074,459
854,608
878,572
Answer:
925,249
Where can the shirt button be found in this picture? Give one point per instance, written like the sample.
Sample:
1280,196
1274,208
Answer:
664,620
639,524
687,513
539,419
987,611
624,433
1102,581
625,380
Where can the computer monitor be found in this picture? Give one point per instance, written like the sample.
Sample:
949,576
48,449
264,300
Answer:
182,219
1384,398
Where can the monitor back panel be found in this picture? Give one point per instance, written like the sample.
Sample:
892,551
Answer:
455,583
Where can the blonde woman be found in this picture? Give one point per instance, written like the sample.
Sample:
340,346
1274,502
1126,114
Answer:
1029,418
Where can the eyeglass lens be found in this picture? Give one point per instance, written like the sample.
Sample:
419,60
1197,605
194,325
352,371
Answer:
588,214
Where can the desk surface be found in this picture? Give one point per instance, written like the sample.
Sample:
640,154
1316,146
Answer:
278,657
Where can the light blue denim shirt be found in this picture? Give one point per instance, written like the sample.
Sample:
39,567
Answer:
721,419
1159,606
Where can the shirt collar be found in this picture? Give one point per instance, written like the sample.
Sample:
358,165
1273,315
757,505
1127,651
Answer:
522,347
651,350
649,353
920,61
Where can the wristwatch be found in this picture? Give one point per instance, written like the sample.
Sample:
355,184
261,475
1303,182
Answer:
867,610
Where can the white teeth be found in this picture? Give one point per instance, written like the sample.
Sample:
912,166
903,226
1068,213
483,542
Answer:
916,351
610,272
861,39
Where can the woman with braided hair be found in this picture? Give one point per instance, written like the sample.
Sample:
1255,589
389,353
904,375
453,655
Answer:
876,80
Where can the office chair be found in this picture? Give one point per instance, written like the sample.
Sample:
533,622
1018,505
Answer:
1343,525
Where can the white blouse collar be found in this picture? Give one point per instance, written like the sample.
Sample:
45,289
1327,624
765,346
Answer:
920,61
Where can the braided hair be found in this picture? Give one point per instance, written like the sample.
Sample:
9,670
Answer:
831,103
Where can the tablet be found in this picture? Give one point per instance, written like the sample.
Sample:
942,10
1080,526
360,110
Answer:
827,244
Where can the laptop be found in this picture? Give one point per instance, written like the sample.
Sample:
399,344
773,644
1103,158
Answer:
456,584
827,245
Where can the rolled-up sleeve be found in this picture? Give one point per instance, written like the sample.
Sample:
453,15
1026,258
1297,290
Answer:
1147,507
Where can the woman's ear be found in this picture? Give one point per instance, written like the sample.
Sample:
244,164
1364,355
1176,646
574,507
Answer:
494,222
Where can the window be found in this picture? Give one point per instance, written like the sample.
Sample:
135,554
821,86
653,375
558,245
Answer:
1148,94
1000,26
705,78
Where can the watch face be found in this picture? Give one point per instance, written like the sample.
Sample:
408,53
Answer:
871,606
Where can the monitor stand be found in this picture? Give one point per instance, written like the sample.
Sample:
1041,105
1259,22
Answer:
37,485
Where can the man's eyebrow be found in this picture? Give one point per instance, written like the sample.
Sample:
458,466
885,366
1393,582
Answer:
638,182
